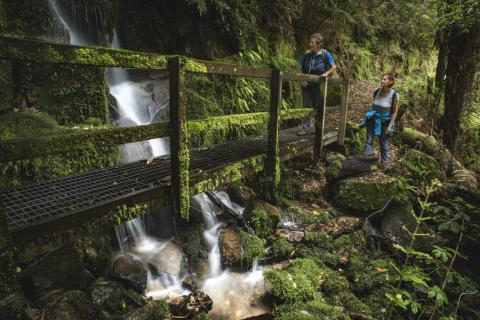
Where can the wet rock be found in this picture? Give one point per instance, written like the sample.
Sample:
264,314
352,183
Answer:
130,272
398,217
364,194
97,254
240,193
155,309
12,306
230,246
168,260
294,236
59,269
72,305
108,295
196,302
340,225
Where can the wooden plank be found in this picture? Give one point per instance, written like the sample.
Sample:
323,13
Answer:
180,158
272,166
320,119
15,48
343,113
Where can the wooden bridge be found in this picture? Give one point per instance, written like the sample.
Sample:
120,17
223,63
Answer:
62,204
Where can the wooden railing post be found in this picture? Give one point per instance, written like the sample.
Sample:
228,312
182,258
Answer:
343,113
320,118
272,166
180,159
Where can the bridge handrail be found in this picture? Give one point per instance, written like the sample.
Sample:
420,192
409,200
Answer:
15,48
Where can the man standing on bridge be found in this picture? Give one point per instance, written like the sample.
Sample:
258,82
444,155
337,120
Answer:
316,61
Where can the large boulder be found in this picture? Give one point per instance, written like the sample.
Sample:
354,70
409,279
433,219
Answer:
60,269
398,222
108,295
339,168
130,271
72,305
169,259
364,194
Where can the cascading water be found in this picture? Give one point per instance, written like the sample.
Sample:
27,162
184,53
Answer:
235,295
136,103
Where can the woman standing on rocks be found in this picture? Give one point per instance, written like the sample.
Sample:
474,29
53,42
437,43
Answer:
380,119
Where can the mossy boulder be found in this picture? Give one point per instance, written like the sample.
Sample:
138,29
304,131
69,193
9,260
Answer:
130,271
154,310
310,310
263,217
297,283
191,237
239,248
281,249
364,194
72,305
424,142
421,166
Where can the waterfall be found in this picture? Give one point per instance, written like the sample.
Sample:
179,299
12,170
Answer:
136,104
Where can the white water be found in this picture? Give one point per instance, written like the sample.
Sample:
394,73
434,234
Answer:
235,295
135,104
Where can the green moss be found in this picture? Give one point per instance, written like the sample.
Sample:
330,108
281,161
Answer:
422,166
350,302
91,56
333,283
287,287
368,273
320,240
230,173
253,248
195,66
313,309
281,248
297,283
364,195
25,124
125,213
191,236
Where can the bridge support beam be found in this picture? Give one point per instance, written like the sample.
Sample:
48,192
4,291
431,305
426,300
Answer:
180,158
343,113
320,119
272,165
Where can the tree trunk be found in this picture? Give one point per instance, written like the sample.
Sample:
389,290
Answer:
463,48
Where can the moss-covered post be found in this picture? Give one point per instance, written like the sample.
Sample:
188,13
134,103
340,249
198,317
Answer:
320,118
179,138
343,113
272,167
11,298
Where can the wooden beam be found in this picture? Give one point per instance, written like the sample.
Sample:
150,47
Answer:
272,167
20,149
15,48
180,158
343,113
320,119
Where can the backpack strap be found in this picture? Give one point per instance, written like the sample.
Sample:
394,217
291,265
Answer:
394,96
375,92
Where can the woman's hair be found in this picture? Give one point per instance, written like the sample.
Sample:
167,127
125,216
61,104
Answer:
390,77
318,38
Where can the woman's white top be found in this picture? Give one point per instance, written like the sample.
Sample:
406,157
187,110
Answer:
385,102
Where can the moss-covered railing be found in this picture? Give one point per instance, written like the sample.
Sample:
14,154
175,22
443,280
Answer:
179,129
